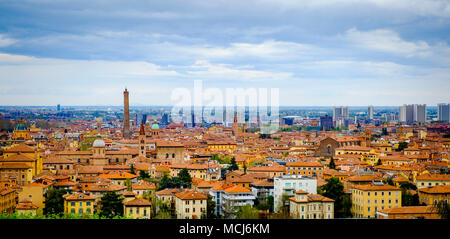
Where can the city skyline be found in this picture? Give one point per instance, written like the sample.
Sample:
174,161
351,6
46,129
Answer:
85,53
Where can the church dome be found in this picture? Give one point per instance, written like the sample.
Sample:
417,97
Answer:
21,125
99,143
155,125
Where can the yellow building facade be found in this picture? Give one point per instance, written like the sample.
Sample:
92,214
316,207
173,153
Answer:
368,199
79,203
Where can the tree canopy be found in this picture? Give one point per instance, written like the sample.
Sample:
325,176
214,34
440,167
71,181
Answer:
111,205
334,189
54,201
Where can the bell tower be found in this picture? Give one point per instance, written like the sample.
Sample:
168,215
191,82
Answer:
142,141
126,114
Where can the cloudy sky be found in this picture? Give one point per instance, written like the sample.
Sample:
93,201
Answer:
335,52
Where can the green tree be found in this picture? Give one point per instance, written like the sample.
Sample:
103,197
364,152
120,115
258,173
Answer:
270,201
247,212
334,189
210,209
233,165
143,174
132,169
185,178
379,162
389,181
332,165
54,201
443,209
129,184
402,146
408,185
408,199
111,205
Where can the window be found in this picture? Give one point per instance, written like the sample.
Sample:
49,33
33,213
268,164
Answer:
173,155
131,211
72,211
88,203
72,204
88,210
80,211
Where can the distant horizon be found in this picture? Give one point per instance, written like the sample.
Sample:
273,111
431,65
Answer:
121,106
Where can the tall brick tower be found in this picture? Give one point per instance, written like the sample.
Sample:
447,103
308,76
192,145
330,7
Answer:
126,115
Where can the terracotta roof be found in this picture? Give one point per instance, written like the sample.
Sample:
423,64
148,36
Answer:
56,160
18,158
320,198
263,183
301,192
6,190
372,187
434,177
273,168
408,210
438,189
363,178
165,143
26,204
77,197
65,183
143,185
190,194
138,202
15,166
303,164
168,191
20,148
237,189
105,187
118,175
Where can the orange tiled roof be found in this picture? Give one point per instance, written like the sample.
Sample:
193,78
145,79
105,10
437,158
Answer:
15,166
143,185
372,187
118,175
138,202
237,189
168,191
18,158
303,164
20,148
408,210
438,189
190,194
77,197
434,177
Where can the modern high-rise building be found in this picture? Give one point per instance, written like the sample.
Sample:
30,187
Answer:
370,112
326,122
444,112
58,108
412,113
420,113
126,115
340,114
